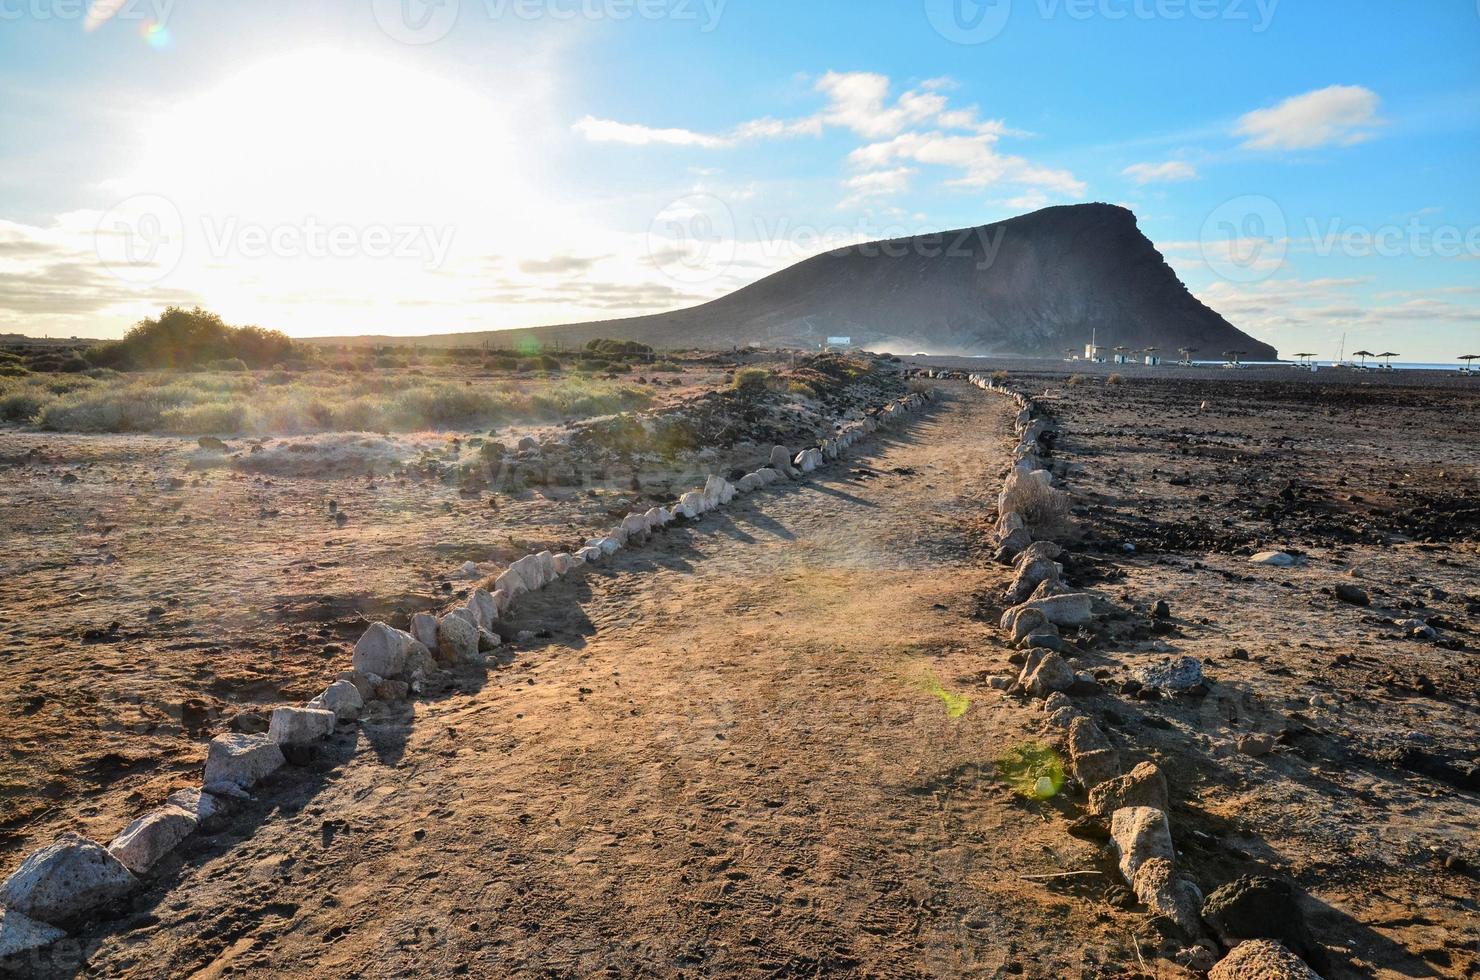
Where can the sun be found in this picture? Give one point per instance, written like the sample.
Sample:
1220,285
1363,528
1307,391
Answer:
335,133
337,183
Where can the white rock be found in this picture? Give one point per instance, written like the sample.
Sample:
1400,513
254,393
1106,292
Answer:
717,492
1276,558
484,607
342,698
562,563
1073,609
589,553
424,629
384,651
151,837
20,934
470,569
240,760
1140,833
544,562
457,641
510,583
200,805
64,879
748,483
609,545
808,460
692,504
781,462
300,726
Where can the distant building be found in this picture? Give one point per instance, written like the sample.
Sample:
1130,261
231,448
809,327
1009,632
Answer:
1153,360
836,342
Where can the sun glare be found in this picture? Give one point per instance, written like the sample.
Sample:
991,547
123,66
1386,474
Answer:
349,178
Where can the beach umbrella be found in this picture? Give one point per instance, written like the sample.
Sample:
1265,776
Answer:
1387,357
1469,360
1363,354
1186,353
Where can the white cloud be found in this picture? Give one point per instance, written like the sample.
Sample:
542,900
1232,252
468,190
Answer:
608,131
975,156
918,127
1337,115
876,183
858,101
1160,173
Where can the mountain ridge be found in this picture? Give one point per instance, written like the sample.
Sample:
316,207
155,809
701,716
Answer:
1038,284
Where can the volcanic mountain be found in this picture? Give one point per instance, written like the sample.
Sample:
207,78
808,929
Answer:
1038,284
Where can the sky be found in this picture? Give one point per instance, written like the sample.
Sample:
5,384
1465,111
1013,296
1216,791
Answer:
426,166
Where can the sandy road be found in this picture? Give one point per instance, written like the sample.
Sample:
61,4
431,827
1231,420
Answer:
734,757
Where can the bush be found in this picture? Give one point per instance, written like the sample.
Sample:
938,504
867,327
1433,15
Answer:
212,418
802,388
1115,379
665,366
611,350
751,379
1076,380
22,405
183,338
228,364
1000,376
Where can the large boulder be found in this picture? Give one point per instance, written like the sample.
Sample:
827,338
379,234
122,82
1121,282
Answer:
21,934
1091,755
1142,786
1140,833
300,726
65,879
239,760
151,837
384,651
457,641
717,492
1261,959
1256,907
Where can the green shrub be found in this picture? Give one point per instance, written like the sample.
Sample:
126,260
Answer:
182,338
751,379
211,418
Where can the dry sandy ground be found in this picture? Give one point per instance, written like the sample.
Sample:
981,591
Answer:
232,592
735,756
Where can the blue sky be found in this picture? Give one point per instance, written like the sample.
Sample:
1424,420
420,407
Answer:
404,167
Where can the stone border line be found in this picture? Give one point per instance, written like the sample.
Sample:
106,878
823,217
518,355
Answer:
1030,508
74,875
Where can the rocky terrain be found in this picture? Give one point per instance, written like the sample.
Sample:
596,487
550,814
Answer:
1039,284
1192,694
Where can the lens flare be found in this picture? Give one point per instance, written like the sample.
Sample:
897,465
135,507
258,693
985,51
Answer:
156,35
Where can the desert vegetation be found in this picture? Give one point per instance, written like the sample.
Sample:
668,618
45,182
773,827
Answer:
187,372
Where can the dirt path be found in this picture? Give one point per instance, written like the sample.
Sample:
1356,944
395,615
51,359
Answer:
734,757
